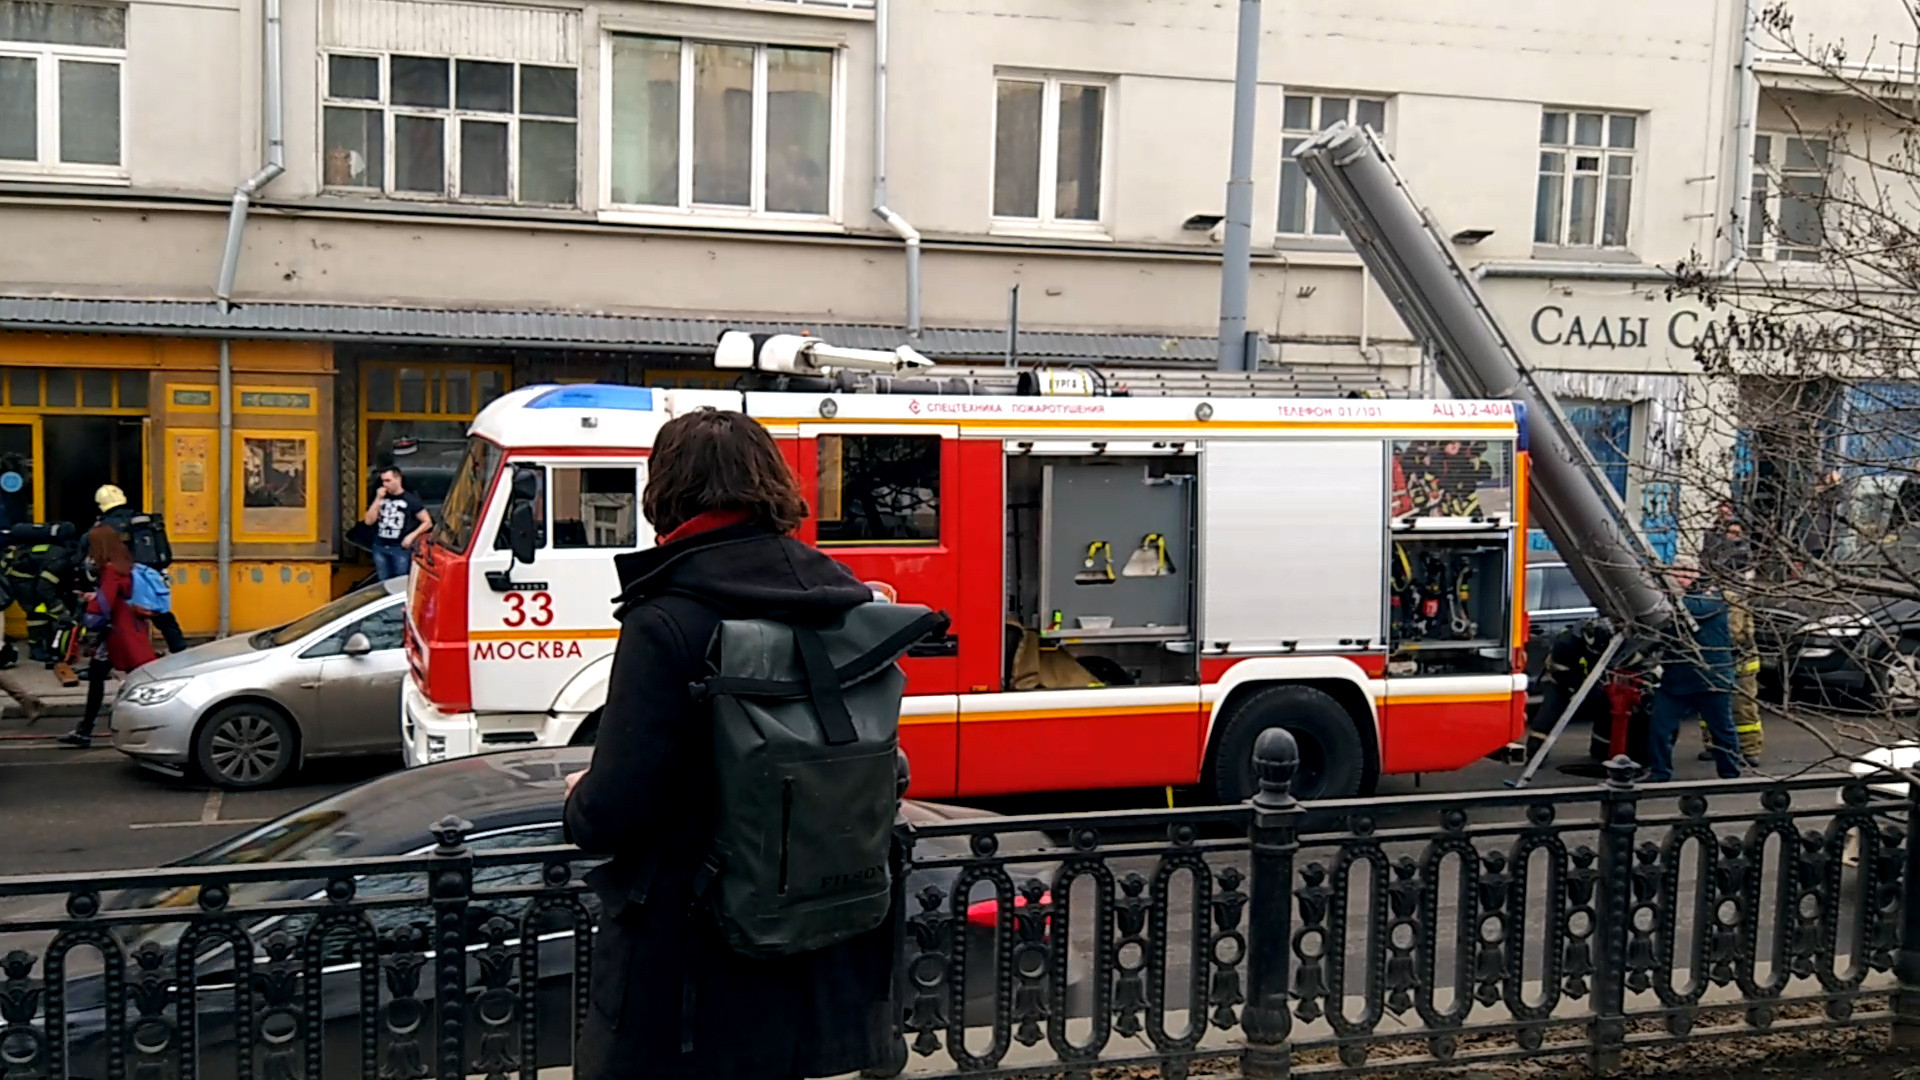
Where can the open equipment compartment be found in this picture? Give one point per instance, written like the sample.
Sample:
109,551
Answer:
1450,558
1115,562
1126,619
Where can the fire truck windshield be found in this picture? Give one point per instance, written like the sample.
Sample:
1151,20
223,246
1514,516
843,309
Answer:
467,496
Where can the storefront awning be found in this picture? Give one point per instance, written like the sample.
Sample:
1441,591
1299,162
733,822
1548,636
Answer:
600,332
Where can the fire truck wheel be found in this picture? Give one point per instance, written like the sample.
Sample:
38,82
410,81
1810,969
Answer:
1332,757
588,730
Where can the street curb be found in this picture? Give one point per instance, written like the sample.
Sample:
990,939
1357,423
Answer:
11,714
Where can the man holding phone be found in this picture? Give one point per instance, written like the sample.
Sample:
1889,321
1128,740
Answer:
399,518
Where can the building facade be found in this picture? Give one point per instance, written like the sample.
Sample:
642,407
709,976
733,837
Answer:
475,194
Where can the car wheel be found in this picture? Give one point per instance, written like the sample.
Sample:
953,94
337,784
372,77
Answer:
245,746
1332,757
1898,682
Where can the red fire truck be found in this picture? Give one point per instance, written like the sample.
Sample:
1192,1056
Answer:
1139,585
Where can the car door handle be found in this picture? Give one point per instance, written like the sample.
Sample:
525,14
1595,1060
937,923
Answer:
314,685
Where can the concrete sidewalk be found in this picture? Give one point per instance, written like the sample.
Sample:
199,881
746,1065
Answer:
62,703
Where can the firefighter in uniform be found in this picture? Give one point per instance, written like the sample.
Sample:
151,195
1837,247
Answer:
1569,657
41,578
1746,691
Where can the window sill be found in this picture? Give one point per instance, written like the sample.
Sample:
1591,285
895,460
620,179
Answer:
1329,255
1781,262
31,175
415,202
1034,230
701,220
1304,242
1552,253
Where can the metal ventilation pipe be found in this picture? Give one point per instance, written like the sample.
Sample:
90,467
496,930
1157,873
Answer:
1746,117
273,110
1236,255
881,210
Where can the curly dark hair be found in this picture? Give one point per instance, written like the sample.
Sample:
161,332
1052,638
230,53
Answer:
713,460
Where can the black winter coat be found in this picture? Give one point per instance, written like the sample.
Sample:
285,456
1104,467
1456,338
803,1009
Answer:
648,801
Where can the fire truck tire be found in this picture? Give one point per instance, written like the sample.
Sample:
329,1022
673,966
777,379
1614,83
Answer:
1332,757
588,730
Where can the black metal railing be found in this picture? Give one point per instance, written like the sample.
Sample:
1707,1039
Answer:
1274,937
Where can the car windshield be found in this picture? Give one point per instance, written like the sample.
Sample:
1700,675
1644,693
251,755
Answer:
467,496
318,617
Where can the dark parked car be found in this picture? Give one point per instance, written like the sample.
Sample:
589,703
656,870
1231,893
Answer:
513,800
1867,657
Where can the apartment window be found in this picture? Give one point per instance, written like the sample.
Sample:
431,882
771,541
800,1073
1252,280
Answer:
449,128
60,95
732,128
1789,187
1049,147
1303,116
1585,194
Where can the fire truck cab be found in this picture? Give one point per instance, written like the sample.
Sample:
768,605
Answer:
1139,585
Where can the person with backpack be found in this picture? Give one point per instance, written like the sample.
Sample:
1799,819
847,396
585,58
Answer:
702,922
114,635
146,540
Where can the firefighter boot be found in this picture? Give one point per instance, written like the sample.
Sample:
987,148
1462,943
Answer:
1746,717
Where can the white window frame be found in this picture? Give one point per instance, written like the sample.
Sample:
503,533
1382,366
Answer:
1047,222
754,215
46,73
450,118
1570,150
1766,186
1286,133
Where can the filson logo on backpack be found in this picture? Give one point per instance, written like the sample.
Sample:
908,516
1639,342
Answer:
818,708
877,872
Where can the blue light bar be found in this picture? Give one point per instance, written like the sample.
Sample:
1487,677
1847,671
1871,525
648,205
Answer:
595,396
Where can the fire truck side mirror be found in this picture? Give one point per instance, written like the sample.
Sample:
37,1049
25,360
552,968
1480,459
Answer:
521,531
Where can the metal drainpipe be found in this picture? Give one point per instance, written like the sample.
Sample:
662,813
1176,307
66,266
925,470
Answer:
1748,91
1745,120
272,107
881,210
224,551
273,110
1236,256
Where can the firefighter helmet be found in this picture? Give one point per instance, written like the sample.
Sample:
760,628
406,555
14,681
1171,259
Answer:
109,496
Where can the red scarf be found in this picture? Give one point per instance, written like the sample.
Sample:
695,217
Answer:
705,522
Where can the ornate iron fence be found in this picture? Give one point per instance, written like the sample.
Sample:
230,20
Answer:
1275,937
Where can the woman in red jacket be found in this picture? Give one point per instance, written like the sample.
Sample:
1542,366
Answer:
116,636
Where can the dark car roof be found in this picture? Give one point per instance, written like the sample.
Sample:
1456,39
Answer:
394,814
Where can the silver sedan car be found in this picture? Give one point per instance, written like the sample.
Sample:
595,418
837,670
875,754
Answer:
245,711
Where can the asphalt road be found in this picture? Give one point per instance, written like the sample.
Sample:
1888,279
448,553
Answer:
67,810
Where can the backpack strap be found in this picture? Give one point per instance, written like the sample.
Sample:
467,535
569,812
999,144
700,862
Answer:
825,674
893,647
823,686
